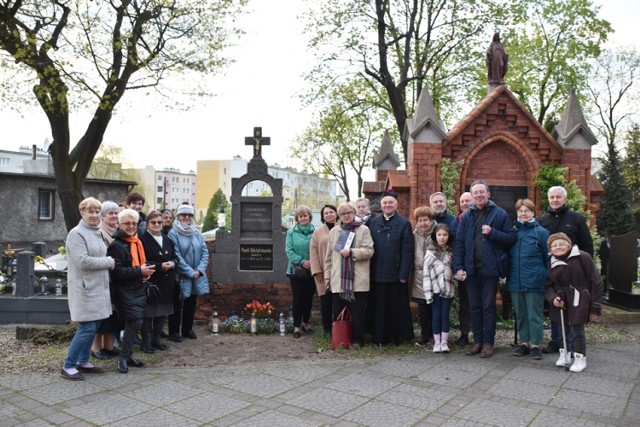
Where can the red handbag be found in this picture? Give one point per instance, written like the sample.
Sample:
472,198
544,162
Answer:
341,330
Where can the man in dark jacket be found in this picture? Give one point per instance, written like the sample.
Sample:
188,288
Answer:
560,219
438,202
481,257
391,266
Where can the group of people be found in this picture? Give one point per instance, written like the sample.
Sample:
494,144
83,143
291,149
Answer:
129,272
375,264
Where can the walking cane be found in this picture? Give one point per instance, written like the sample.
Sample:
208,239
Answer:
567,357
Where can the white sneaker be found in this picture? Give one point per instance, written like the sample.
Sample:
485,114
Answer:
580,364
561,360
437,348
444,348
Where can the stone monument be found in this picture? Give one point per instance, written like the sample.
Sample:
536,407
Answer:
623,271
253,252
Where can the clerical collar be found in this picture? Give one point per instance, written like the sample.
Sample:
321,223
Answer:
388,217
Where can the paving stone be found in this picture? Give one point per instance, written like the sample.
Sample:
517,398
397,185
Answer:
260,385
459,376
378,413
61,391
564,418
110,409
546,375
329,401
156,417
589,402
362,385
497,413
403,367
523,390
275,418
304,374
426,400
207,407
9,410
584,381
27,381
163,392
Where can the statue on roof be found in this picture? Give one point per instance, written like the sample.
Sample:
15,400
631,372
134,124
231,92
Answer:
497,61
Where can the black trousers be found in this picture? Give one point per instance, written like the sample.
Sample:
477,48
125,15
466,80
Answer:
425,315
358,308
464,312
326,310
302,291
183,312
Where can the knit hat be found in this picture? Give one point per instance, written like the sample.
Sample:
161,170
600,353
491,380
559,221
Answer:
390,192
185,210
558,236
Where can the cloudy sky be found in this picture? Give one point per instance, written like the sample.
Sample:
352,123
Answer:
260,89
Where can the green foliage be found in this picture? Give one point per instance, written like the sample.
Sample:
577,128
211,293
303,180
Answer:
217,201
340,140
449,177
630,170
550,44
615,217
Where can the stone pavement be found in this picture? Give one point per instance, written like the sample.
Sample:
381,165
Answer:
426,389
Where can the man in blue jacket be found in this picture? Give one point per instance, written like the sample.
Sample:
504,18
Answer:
438,202
481,257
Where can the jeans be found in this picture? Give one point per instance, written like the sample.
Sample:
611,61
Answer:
482,302
80,348
441,309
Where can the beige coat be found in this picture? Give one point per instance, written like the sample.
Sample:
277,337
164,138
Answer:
317,253
88,274
361,254
422,244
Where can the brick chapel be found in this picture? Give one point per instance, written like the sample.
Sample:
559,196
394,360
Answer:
499,141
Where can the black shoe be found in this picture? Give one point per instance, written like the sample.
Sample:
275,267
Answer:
160,346
190,334
296,334
89,369
175,338
111,353
71,377
536,353
137,340
523,350
132,361
306,329
122,366
100,354
463,341
551,348
163,334
147,349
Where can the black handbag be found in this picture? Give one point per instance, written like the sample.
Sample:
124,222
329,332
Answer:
299,272
153,294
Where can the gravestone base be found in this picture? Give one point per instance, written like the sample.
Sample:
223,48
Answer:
233,297
624,300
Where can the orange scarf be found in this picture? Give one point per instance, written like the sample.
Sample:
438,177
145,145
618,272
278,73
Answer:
137,251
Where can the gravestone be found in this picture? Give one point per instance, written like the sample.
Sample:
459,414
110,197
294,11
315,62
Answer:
623,271
253,252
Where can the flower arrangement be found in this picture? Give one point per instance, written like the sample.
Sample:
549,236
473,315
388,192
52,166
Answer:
237,325
262,311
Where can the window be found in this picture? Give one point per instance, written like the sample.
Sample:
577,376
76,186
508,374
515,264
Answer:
46,207
159,190
160,178
4,161
158,200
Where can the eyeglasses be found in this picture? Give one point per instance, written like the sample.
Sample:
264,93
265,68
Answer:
129,224
559,244
347,213
155,222
524,211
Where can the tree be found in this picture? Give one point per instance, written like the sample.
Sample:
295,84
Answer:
551,175
397,47
614,217
613,91
550,45
82,53
211,218
630,170
110,163
342,136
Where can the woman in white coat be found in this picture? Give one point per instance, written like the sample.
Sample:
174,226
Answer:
88,288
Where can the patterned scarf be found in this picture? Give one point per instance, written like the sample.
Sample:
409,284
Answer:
184,229
346,283
137,251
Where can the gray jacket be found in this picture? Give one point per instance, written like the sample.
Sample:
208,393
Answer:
88,274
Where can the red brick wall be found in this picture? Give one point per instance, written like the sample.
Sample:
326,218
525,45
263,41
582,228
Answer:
424,175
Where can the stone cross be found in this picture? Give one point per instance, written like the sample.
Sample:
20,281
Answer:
257,141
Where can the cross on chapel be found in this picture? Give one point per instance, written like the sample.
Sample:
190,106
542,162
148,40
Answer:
257,141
